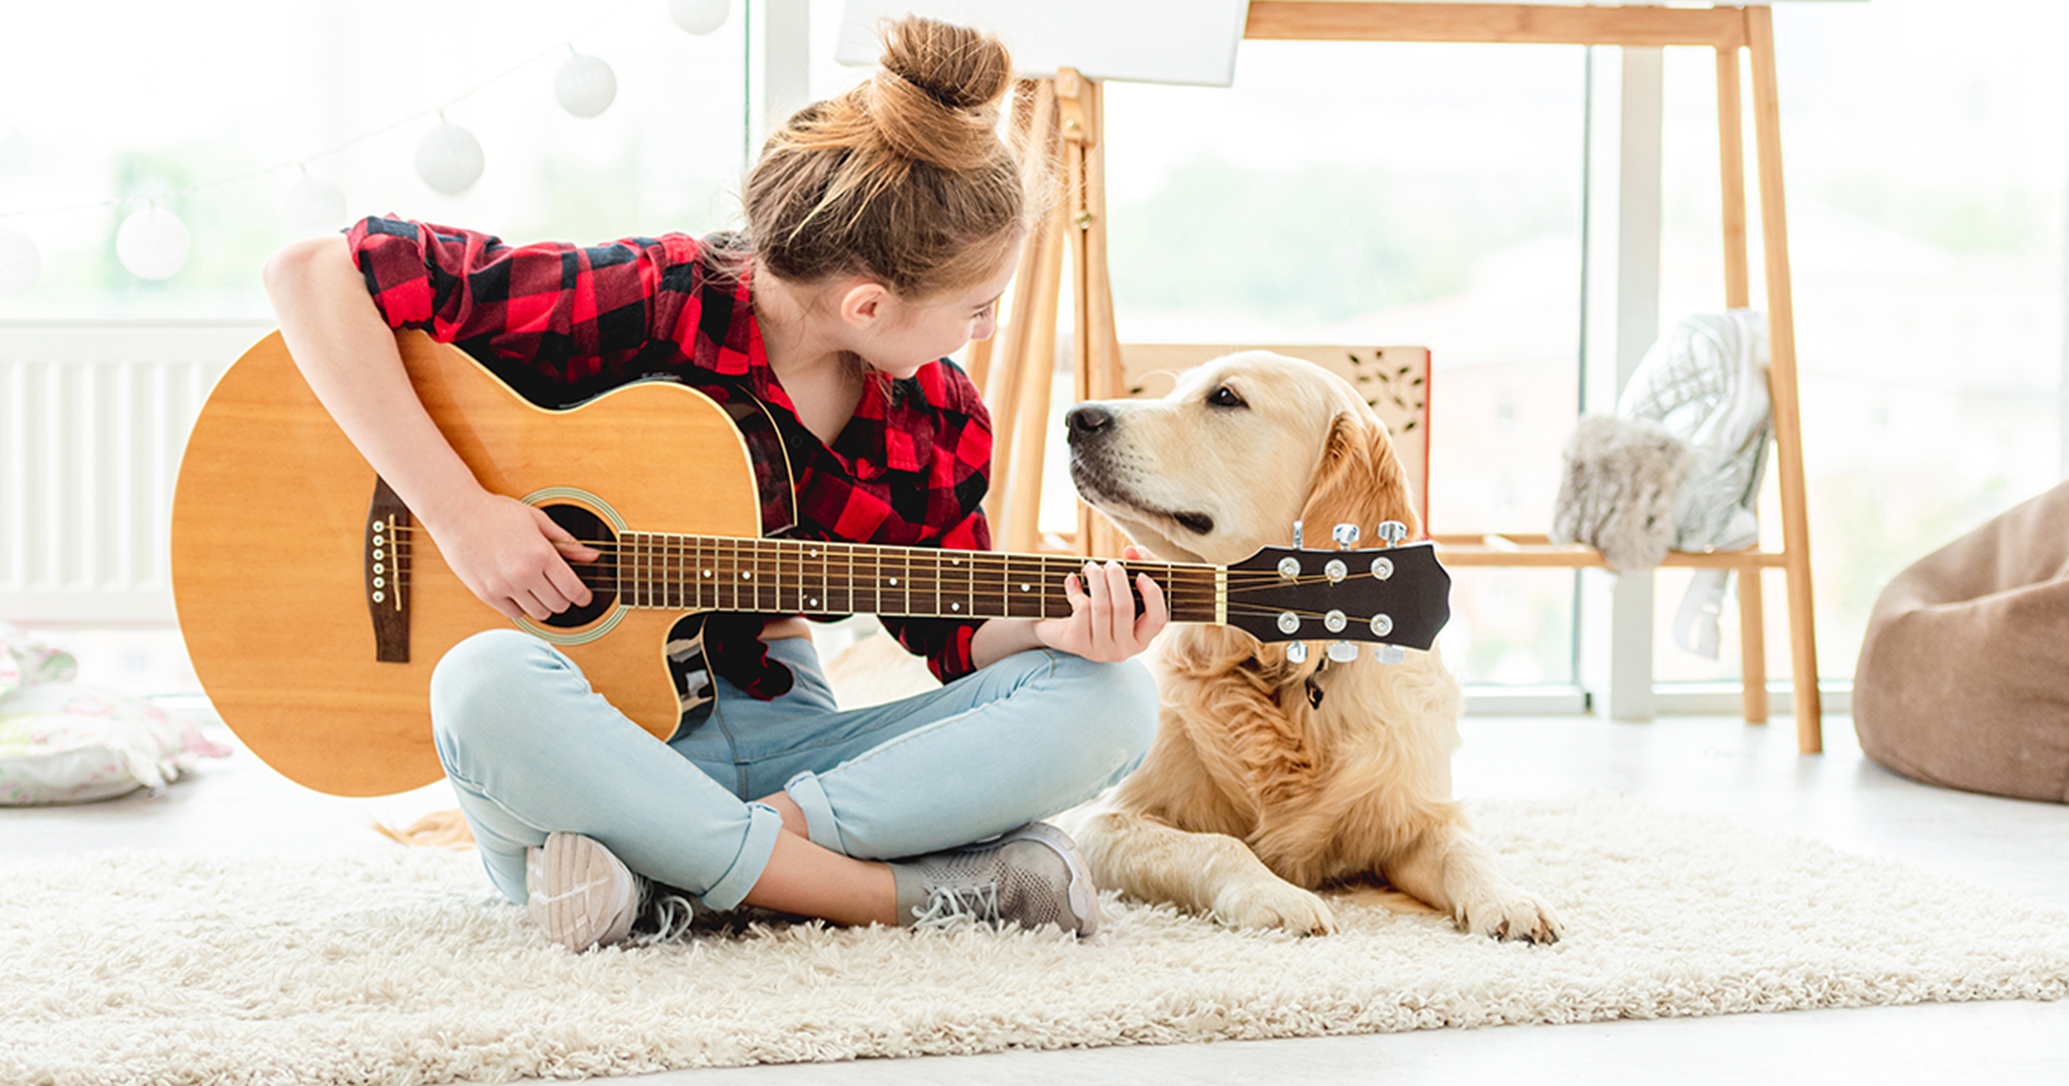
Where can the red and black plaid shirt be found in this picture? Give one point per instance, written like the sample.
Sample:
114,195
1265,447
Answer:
562,324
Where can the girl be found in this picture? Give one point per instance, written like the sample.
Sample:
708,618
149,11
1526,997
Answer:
881,229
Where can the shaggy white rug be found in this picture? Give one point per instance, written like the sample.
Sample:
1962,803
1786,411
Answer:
404,968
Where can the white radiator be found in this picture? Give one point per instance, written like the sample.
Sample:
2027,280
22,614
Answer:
92,420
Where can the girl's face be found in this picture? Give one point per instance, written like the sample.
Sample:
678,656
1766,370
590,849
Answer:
916,332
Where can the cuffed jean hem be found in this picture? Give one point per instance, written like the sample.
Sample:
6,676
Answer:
763,824
820,823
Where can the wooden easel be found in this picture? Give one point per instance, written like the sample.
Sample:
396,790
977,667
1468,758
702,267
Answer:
1056,121
1066,110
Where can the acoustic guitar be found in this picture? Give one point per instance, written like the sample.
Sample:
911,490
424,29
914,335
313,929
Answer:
314,610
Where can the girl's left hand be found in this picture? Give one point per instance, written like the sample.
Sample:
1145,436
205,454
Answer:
1103,624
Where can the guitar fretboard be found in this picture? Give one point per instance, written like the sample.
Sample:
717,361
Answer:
726,574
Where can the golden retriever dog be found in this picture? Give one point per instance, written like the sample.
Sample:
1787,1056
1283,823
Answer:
1269,776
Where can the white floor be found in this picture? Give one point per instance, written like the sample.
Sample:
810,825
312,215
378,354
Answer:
1707,766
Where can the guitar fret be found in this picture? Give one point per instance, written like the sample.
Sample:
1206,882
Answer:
729,569
758,561
675,572
628,587
633,588
663,582
704,575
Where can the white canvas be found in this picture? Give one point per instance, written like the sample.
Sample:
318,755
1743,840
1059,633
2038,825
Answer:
1143,41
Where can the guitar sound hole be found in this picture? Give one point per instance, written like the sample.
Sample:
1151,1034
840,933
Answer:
601,575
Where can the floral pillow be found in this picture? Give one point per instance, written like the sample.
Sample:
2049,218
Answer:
65,743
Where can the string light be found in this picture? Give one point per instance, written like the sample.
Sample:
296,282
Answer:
449,158
585,85
698,16
311,206
20,263
153,243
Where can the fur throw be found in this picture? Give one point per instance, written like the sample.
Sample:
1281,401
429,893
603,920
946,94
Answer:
1622,478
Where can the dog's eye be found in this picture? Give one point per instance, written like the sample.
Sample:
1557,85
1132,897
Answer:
1225,396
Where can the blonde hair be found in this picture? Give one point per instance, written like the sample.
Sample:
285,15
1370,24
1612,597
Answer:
904,178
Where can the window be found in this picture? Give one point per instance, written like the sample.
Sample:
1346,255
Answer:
1386,194
126,100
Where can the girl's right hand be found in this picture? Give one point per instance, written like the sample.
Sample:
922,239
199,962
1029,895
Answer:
513,556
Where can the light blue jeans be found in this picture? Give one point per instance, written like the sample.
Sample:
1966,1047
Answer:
531,749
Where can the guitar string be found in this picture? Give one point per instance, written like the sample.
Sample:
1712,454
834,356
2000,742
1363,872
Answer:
995,560
1177,597
991,583
988,578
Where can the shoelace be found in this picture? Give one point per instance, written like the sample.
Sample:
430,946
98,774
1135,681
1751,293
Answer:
673,914
947,904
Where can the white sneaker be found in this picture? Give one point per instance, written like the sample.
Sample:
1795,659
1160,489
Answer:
1031,876
579,894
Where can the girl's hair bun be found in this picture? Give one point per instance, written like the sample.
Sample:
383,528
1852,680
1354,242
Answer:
935,98
959,67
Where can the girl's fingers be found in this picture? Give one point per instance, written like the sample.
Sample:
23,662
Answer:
1154,613
1102,609
1122,616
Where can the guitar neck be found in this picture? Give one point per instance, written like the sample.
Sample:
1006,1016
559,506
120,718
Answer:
720,573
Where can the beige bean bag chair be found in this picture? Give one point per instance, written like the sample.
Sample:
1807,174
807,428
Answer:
1964,674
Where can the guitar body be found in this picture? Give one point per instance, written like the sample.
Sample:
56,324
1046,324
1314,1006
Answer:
273,565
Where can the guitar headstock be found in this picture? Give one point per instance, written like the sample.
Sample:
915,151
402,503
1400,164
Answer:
1397,595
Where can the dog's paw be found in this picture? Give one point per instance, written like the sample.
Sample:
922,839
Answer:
1274,904
1508,915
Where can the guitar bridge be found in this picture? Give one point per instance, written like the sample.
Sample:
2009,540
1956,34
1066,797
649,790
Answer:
386,566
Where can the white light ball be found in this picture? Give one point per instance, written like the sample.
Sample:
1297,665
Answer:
449,159
152,244
20,263
699,16
312,206
585,85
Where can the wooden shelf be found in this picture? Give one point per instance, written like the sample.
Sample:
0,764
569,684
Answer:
1502,549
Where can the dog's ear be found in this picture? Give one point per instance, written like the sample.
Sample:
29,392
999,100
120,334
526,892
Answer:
1359,481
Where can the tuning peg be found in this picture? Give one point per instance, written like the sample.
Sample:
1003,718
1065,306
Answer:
1389,654
1297,544
1392,532
1345,535
1296,651
1343,652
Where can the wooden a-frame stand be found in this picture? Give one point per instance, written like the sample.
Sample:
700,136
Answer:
1061,117
1058,121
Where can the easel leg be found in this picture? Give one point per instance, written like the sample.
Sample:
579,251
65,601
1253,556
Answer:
1037,380
1034,122
1731,159
1752,646
1782,382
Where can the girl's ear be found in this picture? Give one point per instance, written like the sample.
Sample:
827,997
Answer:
865,304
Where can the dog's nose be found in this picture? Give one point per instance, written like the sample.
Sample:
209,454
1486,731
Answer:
1088,418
